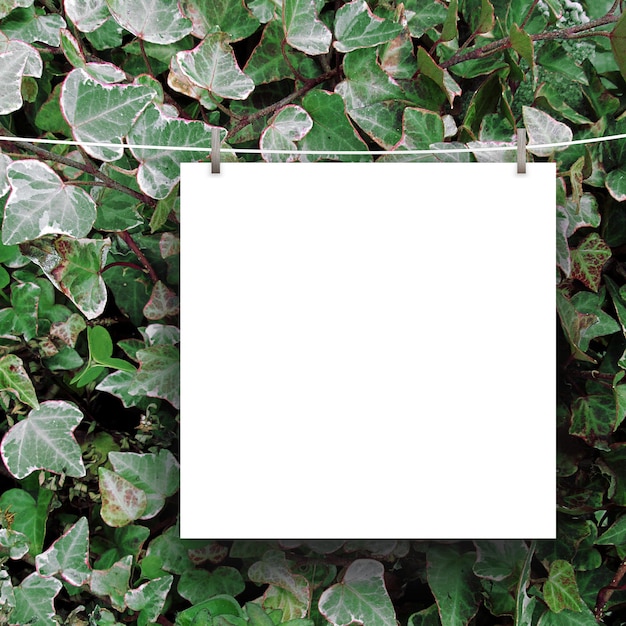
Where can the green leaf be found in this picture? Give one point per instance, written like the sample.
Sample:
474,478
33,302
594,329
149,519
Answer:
163,302
594,419
289,125
149,598
568,618
87,15
524,605
615,182
29,26
13,543
17,59
553,56
6,6
157,21
360,597
303,30
522,43
212,65
451,580
40,203
420,129
156,474
582,214
449,29
113,582
422,16
560,591
588,259
101,349
543,129
563,257
199,585
619,301
331,128
618,44
615,535
122,502
228,16
357,27
159,374
73,266
100,112
496,560
172,552
68,555
591,303
131,290
574,325
29,517
15,380
440,77
34,601
45,440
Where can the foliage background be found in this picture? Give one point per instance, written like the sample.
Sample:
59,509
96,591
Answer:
89,289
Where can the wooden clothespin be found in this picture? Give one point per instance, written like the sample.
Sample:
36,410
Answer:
215,151
521,150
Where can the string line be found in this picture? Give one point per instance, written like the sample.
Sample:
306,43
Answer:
497,148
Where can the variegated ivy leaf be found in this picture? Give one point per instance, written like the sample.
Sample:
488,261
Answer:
228,16
100,112
13,543
427,66
73,266
34,601
163,303
15,380
101,71
5,161
122,502
303,29
6,6
41,203
357,27
87,15
289,125
159,170
543,129
113,582
159,374
17,59
68,555
45,440
157,21
149,598
29,26
212,65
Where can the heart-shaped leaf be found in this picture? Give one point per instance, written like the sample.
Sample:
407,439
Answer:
34,601
228,16
159,374
496,560
303,29
543,129
149,599
17,59
158,475
163,302
357,27
30,26
41,203
6,6
73,266
101,113
113,582
157,21
122,502
68,555
360,597
87,15
594,419
289,125
15,380
560,591
212,65
588,259
45,440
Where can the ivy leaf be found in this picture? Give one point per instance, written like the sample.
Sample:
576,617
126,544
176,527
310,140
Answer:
591,303
357,27
17,59
159,374
522,43
29,516
156,474
171,551
588,259
568,618
563,257
422,16
45,440
574,325
159,170
13,543
496,560
560,591
360,597
103,72
420,129
40,203
122,502
593,419
29,26
73,266
157,21
303,29
449,29
34,601
453,585
6,6
100,112
113,582
289,125
543,129
618,44
68,555
440,77
198,585
212,65
15,380
583,213
163,303
615,535
615,182
149,598
87,15
228,16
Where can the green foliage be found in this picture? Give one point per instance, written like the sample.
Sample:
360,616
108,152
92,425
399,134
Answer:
89,293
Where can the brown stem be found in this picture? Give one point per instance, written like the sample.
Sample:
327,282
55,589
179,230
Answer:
604,595
529,13
130,242
145,58
310,84
122,264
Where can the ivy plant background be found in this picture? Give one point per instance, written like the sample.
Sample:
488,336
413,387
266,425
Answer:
89,293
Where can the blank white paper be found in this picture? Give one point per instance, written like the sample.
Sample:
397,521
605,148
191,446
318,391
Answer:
368,351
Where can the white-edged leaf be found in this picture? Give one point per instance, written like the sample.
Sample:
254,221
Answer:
29,26
68,555
303,29
157,21
360,597
99,112
14,543
15,380
45,440
17,59
232,17
113,582
101,71
159,374
158,475
543,129
5,161
289,125
41,203
212,65
6,6
34,601
87,15
149,598
357,27
122,502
